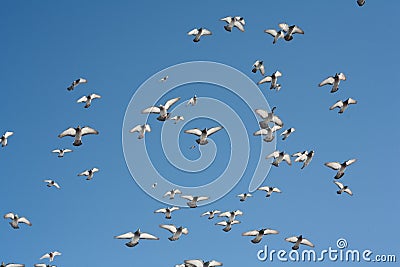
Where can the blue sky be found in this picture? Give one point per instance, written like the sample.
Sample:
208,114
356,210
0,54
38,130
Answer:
117,47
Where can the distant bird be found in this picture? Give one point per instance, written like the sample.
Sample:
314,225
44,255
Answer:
193,200
89,173
203,134
343,105
269,190
141,129
268,132
297,240
164,79
290,30
276,34
210,214
167,211
192,101
273,79
201,263
259,234
279,157
305,157
237,22
198,33
192,147
154,185
333,80
88,99
50,255
76,83
343,188
231,215
51,183
3,264
172,193
61,152
287,133
360,2
227,224
176,231
340,167
135,237
4,138
77,133
177,119
15,220
43,265
268,117
259,66
162,109
244,196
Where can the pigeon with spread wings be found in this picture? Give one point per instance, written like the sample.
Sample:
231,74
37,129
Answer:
340,167
259,66
198,33
89,173
290,30
77,133
269,190
259,234
162,109
176,231
333,80
167,211
172,193
76,83
343,105
279,157
276,34
236,21
51,183
273,79
193,200
135,237
201,263
297,240
4,138
141,129
16,220
203,134
88,99
61,152
343,188
50,255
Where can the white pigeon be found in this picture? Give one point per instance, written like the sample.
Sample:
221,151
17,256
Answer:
50,255
51,183
343,105
164,79
287,133
203,134
198,33
259,234
3,264
244,196
193,200
4,138
259,66
231,215
89,173
15,220
210,213
43,265
360,2
290,30
176,231
192,101
269,190
343,188
236,21
268,117
340,167
297,240
305,157
172,193
167,211
61,152
162,109
88,99
76,83
268,132
333,80
276,34
227,224
273,79
177,119
141,129
135,237
77,133
201,263
279,157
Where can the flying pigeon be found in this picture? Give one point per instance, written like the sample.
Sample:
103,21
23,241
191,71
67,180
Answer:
51,183
162,109
141,129
192,101
76,83
273,79
276,34
198,33
305,157
259,66
154,185
279,157
3,264
203,133
177,119
77,133
360,2
135,237
4,138
244,196
201,263
193,200
268,117
268,132
88,173
43,265
259,234
61,152
167,211
50,255
15,220
172,193
227,224
237,22
231,215
269,190
211,213
333,80
343,188
176,231
340,167
287,133
343,105
290,30
164,79
297,240
87,99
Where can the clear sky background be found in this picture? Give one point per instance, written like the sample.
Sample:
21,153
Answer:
117,46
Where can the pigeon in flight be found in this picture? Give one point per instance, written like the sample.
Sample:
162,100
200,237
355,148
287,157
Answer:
4,138
192,101
276,34
201,263
287,133
305,157
88,99
343,188
259,234
237,22
259,66
176,231
273,79
162,109
297,240
268,132
3,264
227,224
333,80
50,255
210,214
290,30
269,190
77,133
51,183
343,105
76,83
177,119
340,167
360,2
268,117
15,220
198,33
43,265
135,237
193,200
203,134
172,193
141,129
231,215
167,211
88,173
279,157
244,196
164,79
154,185
61,152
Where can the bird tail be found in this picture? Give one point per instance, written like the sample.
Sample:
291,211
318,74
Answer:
227,28
77,142
338,192
254,70
70,88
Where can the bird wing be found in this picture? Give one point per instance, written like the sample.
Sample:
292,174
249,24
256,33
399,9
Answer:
69,132
286,158
193,32
84,173
223,223
227,19
250,233
137,128
292,239
170,102
277,120
265,79
95,170
262,113
206,32
239,25
338,104
87,130
270,232
202,198
8,134
67,150
205,213
298,154
196,263
151,110
45,256
263,188
262,69
174,208
333,165
57,185
278,73
297,29
274,154
160,211
351,101
128,235
238,212
339,184
225,214
148,236
187,197
329,80
169,227
350,161
214,130
40,265
261,132
277,190
284,27
194,131
214,263
82,99
24,220
271,32
177,191
9,215
56,151
167,194
348,191
93,96
306,242
342,76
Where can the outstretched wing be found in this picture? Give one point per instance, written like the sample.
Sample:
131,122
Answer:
271,32
128,235
87,130
333,165
69,132
151,110
262,113
266,79
214,130
194,131
137,128
170,102
329,80
169,227
338,104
